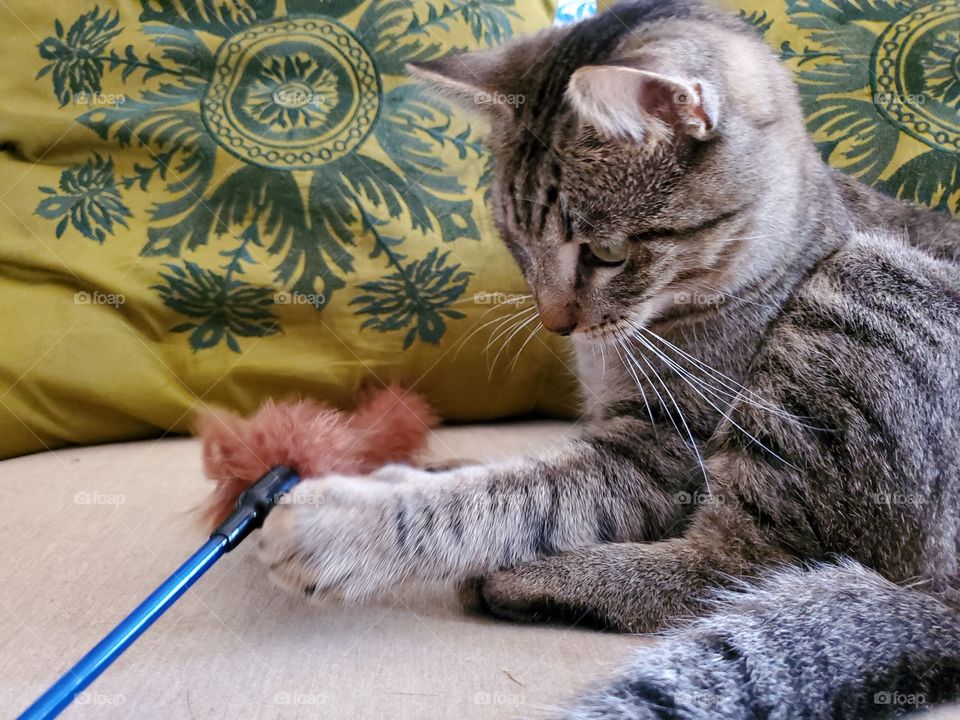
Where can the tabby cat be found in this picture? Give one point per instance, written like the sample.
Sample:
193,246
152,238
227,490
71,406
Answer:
769,354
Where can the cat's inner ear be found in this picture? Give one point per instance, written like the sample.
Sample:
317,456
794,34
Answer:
624,102
473,79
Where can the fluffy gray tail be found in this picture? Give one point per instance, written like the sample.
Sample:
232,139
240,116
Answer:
837,641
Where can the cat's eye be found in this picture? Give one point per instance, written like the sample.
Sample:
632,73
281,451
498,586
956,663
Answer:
596,254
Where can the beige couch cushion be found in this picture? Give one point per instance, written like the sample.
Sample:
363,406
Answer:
92,531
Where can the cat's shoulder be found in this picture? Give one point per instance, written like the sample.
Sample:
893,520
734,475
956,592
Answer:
874,296
880,272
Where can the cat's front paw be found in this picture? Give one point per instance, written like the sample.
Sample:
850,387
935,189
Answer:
513,595
531,593
504,594
332,539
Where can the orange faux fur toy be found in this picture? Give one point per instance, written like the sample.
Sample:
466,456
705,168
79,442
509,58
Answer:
390,425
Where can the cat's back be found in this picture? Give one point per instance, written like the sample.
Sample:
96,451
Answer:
867,356
883,297
876,327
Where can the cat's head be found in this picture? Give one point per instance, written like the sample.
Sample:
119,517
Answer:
638,155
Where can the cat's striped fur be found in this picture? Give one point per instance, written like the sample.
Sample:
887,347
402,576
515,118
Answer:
771,370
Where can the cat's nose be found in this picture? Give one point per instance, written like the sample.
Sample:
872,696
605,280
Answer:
560,320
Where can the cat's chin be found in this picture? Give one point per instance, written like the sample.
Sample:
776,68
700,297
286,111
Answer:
611,331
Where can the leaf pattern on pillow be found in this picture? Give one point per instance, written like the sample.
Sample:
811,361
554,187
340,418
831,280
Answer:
323,142
880,85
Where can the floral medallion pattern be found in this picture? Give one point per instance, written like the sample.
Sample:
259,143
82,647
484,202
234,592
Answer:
292,94
880,85
323,141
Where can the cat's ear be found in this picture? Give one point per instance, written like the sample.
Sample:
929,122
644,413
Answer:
473,79
628,102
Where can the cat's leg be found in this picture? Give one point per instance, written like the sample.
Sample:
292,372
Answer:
624,587
351,538
630,587
400,472
832,641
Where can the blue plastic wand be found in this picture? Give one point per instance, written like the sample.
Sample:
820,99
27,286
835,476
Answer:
252,508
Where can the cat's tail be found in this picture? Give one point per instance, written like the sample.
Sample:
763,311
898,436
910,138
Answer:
834,641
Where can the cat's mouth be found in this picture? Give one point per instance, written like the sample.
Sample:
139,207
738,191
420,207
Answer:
608,331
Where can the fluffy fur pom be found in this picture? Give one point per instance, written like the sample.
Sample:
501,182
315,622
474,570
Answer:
390,425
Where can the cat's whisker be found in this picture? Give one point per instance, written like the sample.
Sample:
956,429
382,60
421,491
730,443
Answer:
504,329
683,421
724,380
500,321
537,328
516,331
720,394
689,434
617,342
627,346
603,363
733,390
532,201
510,337
501,330
463,341
724,413
727,396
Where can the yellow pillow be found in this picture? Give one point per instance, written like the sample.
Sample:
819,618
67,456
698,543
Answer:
880,85
213,203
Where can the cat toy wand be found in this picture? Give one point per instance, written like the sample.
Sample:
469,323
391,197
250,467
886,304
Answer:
252,509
